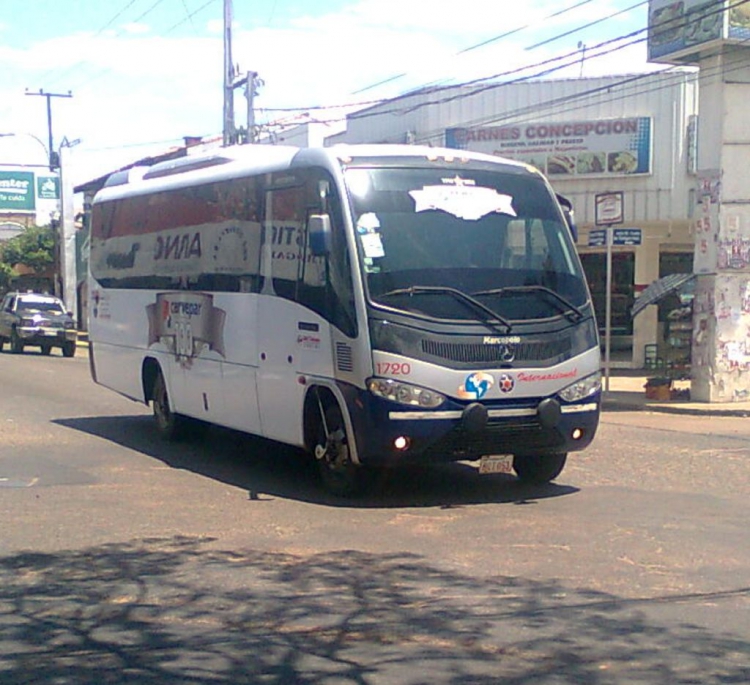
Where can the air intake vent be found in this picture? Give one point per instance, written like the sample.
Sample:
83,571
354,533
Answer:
477,353
344,360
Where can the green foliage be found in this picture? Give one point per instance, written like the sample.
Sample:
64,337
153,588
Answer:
6,273
34,248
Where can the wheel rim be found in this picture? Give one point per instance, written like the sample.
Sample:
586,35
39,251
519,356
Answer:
340,475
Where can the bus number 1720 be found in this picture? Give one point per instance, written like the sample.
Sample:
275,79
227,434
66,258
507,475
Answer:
393,369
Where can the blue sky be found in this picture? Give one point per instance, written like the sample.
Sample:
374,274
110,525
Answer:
144,73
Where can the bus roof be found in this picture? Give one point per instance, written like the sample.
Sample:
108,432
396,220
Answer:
236,161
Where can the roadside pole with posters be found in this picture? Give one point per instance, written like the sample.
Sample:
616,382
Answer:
608,211
67,235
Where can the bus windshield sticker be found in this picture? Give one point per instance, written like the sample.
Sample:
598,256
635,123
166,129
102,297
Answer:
372,244
368,223
463,201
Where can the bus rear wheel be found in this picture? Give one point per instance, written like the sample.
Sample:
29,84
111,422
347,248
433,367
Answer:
169,425
338,473
539,468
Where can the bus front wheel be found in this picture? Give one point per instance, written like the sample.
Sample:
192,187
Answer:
539,468
339,474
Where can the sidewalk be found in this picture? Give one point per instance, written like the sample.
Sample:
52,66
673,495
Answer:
627,393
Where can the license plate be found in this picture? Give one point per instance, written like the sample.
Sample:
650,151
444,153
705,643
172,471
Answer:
496,463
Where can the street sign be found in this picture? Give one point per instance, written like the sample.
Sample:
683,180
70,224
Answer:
598,237
627,236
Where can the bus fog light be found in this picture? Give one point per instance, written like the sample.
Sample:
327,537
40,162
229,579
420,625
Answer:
577,434
402,443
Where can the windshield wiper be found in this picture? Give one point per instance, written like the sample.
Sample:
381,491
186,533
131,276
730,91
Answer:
490,314
565,305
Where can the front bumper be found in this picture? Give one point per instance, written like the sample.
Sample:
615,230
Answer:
41,335
469,430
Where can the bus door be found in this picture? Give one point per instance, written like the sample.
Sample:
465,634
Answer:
289,336
302,296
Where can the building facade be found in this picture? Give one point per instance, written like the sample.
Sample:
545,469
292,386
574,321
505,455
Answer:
631,134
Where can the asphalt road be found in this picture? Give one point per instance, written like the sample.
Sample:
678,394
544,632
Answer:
124,559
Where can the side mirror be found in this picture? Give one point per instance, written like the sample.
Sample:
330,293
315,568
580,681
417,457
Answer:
319,234
569,214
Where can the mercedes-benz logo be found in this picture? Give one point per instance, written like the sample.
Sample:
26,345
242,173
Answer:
507,353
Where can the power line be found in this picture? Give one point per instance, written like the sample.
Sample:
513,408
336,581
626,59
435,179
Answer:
571,56
480,45
586,26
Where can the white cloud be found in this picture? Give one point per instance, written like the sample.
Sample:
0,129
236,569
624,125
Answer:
136,28
131,85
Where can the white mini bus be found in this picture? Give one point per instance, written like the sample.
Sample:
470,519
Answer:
376,305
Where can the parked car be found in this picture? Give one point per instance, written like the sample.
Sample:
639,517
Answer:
36,319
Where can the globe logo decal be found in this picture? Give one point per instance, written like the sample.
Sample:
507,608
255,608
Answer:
476,386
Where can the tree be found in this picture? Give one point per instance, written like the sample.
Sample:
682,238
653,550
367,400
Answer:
34,248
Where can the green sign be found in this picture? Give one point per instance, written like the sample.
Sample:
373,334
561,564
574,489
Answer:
17,190
48,187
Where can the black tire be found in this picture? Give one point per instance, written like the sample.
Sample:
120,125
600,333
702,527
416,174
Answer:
539,468
339,475
46,349
2,344
169,425
16,344
69,348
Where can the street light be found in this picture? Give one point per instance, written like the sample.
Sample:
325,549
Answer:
47,154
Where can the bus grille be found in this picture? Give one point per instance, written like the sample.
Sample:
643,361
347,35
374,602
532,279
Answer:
478,352
496,439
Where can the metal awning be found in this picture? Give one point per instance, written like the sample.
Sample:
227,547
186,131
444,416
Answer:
661,288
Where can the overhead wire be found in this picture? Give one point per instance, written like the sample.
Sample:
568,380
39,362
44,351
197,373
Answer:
505,115
494,84
481,44
634,78
586,26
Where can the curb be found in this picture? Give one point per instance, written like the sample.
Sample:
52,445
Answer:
614,405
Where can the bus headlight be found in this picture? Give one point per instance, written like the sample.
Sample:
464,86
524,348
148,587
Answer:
584,388
404,393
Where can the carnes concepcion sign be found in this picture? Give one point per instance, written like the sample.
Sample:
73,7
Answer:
601,147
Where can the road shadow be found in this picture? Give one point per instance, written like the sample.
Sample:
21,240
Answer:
265,468
180,610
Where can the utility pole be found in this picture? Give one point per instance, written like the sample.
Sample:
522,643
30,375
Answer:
252,83
54,157
230,133
231,82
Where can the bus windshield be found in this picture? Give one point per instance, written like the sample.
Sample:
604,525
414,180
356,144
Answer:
464,243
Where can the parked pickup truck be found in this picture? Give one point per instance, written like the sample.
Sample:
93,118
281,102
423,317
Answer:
36,319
